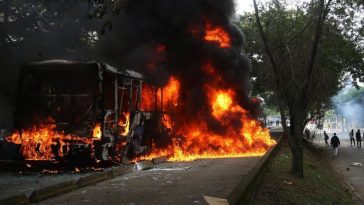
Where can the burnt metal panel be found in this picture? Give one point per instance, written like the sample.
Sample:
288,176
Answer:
63,90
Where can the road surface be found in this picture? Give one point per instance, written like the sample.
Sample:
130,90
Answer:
169,183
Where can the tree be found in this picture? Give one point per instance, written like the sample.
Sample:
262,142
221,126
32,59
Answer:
306,70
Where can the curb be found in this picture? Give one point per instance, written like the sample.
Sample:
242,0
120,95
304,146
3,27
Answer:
159,160
64,187
246,189
15,200
353,189
92,179
121,171
54,190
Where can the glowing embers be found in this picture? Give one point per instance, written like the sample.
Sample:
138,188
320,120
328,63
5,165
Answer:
44,142
217,35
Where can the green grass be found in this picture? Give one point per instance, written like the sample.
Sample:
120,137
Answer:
320,185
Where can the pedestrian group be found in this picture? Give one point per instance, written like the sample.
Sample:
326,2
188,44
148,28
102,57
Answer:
335,141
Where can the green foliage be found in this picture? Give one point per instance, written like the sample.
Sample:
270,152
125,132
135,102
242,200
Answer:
289,33
106,9
36,29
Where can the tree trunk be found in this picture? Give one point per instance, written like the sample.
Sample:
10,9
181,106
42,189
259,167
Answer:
296,136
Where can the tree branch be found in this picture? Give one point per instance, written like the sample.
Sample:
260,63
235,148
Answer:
323,12
265,39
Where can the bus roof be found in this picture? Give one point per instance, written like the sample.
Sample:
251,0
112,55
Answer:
59,62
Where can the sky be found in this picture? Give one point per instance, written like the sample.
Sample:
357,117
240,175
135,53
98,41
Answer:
247,5
244,6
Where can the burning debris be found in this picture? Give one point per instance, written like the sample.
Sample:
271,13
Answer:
192,101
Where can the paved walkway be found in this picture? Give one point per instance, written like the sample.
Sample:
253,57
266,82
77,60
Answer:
347,155
169,183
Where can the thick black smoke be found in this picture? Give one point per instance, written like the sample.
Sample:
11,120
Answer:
160,38
179,26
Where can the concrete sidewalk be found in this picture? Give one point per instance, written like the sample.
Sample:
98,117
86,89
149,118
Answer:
170,183
354,176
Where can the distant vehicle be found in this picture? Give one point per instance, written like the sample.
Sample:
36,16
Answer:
79,96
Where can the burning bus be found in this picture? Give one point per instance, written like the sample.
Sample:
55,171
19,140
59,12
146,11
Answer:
201,108
69,108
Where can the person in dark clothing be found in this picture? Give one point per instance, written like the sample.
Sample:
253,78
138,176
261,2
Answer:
326,138
307,133
335,143
358,138
351,135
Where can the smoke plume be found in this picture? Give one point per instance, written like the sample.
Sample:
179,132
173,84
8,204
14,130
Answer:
162,38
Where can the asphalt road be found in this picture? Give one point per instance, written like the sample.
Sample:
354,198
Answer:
169,183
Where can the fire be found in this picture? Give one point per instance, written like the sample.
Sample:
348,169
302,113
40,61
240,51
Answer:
217,35
43,142
124,124
167,121
148,100
170,96
170,92
201,143
242,136
96,132
222,102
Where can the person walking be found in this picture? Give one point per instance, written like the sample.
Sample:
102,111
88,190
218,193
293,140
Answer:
358,138
335,143
326,137
352,140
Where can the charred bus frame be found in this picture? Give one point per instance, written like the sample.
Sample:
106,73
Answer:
79,94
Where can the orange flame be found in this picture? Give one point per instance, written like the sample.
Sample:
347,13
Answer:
170,92
148,99
96,132
124,124
222,102
217,35
170,96
199,141
167,121
37,142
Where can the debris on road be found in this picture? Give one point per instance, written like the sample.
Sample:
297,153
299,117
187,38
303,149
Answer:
356,164
144,165
288,182
215,201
